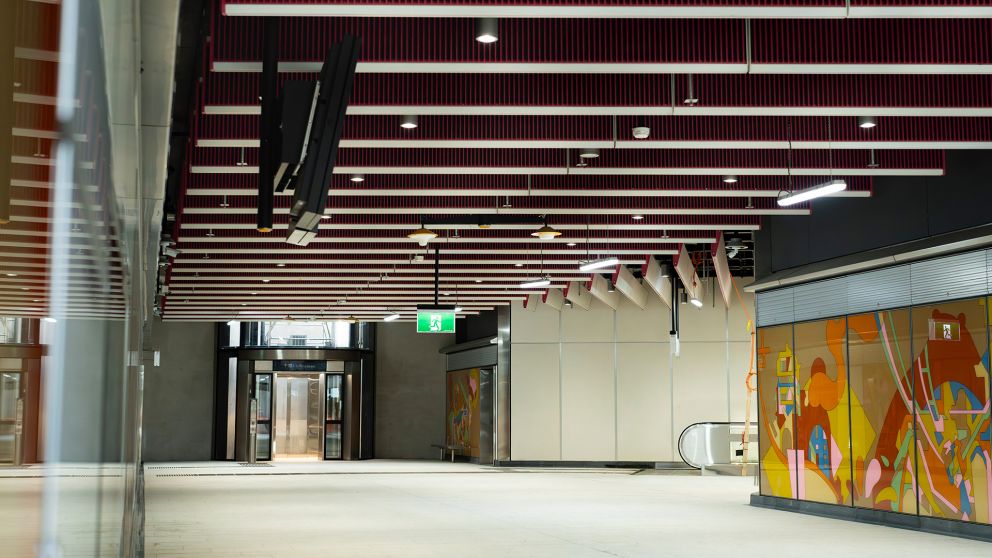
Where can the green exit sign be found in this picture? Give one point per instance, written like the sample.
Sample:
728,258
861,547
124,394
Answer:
435,321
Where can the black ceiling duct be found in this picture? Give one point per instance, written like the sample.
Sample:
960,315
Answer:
312,118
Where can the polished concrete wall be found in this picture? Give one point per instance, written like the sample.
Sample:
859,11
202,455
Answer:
601,384
179,393
409,391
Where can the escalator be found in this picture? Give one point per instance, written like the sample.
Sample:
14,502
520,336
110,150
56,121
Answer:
719,447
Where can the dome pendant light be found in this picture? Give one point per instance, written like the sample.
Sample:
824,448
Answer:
487,30
409,121
546,232
422,235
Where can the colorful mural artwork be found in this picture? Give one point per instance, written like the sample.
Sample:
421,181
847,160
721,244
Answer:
889,410
822,412
462,425
952,408
882,435
776,407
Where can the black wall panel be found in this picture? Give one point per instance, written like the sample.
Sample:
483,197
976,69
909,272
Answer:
901,209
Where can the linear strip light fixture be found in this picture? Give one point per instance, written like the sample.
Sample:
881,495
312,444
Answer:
536,284
392,317
818,191
598,264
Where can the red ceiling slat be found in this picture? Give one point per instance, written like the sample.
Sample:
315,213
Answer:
872,41
651,90
663,128
550,40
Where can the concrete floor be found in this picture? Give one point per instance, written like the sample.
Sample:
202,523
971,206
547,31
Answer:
410,509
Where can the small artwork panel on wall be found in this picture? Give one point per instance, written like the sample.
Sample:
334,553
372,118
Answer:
462,424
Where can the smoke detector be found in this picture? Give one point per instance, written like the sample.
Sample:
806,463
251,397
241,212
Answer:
641,132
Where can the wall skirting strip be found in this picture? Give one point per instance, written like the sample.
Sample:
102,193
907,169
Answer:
934,525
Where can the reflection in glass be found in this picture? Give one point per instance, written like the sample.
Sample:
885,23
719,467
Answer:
10,392
263,438
332,442
334,397
263,393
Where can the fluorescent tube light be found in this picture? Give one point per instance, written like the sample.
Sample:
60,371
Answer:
535,284
818,191
598,264
392,317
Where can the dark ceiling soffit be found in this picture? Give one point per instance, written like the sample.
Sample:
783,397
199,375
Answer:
948,243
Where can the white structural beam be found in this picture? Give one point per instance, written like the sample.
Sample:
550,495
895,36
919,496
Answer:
554,298
630,286
599,287
577,293
657,279
531,302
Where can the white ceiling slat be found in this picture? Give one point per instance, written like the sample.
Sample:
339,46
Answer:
621,144
447,251
524,10
404,67
599,171
331,225
454,240
506,211
648,110
520,193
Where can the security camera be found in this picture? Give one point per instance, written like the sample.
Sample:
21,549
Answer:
641,132
734,246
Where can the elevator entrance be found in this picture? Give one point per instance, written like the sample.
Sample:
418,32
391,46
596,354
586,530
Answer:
298,423
299,405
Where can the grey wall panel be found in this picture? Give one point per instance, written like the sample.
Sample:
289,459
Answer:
959,276
821,299
473,358
775,307
878,289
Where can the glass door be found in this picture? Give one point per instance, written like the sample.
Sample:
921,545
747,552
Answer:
10,393
263,435
334,420
297,424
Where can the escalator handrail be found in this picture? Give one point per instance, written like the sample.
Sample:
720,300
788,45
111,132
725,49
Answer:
686,429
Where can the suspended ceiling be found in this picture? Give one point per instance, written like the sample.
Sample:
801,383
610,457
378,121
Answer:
767,91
